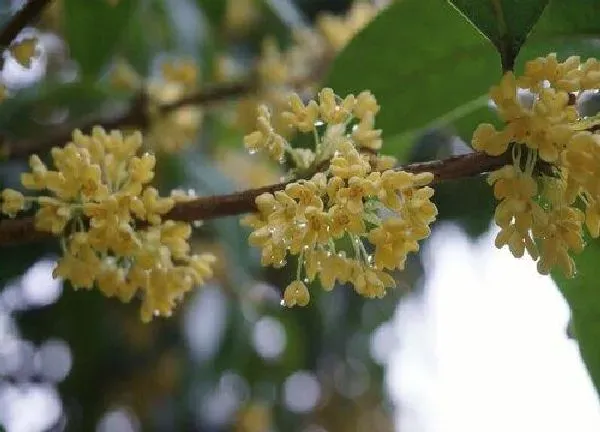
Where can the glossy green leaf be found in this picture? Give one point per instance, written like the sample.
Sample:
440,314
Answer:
94,29
505,22
422,59
583,295
567,27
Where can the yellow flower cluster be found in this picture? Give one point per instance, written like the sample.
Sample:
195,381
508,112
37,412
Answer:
353,200
280,73
540,209
172,131
311,46
240,16
167,131
338,31
111,222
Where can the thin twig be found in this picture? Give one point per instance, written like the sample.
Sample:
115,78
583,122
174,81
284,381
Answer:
212,94
20,20
135,117
216,206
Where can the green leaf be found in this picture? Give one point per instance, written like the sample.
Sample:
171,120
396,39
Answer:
94,29
421,59
213,10
505,22
583,295
567,27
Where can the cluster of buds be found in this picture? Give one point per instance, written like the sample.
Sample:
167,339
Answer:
172,130
540,210
110,221
297,68
354,222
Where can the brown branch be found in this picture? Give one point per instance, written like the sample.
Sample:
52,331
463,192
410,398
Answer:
216,206
135,117
212,94
19,21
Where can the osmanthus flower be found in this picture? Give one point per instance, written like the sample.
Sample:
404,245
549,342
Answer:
352,204
111,222
283,72
167,131
171,131
543,211
339,30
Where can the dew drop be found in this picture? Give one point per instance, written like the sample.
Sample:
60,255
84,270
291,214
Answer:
319,123
252,151
306,280
282,302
